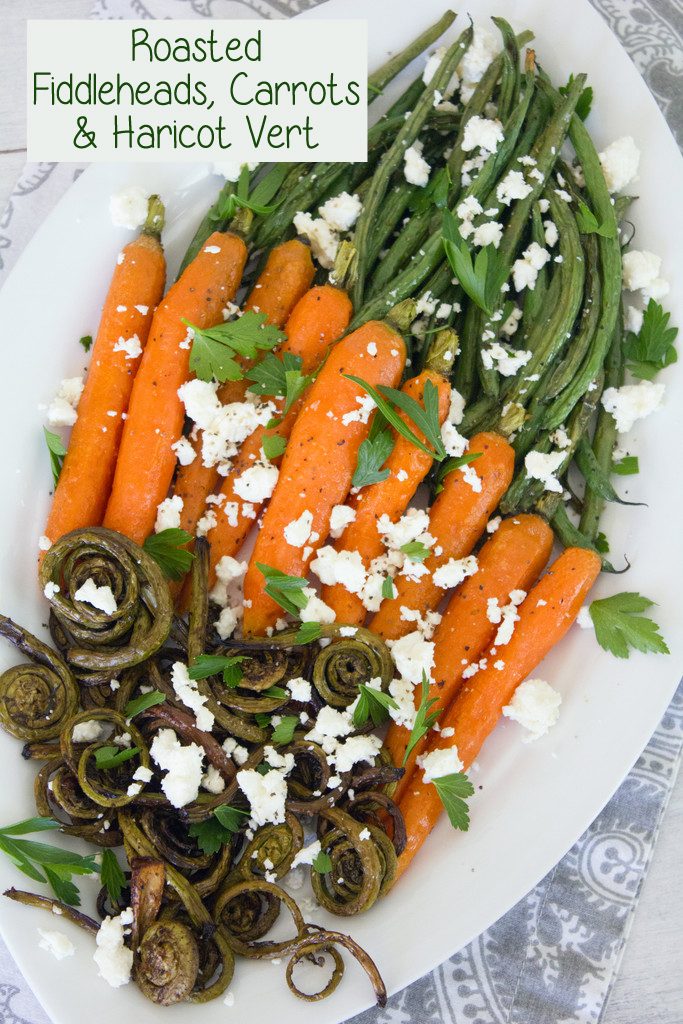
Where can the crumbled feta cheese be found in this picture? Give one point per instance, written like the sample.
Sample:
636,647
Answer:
454,571
340,517
168,514
186,691
212,780
416,168
355,749
535,706
185,453
324,241
408,528
226,624
62,409
583,619
183,766
471,477
50,589
99,597
507,362
87,732
509,327
488,233
640,271
632,402
224,427
113,958
340,567
232,748
207,522
484,47
300,689
483,133
403,693
131,347
493,524
299,530
513,186
44,543
315,610
128,207
362,414
413,656
341,212
466,211
633,319
560,438
266,795
440,762
542,466
256,483
550,232
307,854
525,270
212,249
57,943
620,163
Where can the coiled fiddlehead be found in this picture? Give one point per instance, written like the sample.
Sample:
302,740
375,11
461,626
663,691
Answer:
167,965
108,787
363,864
36,698
100,644
348,661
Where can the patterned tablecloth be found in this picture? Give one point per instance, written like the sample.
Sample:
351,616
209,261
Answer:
553,958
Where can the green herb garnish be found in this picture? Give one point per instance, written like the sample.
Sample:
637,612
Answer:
57,451
373,453
143,702
388,588
452,464
415,550
308,632
85,342
273,446
425,418
588,223
285,729
216,664
372,704
218,830
585,101
481,279
111,757
619,626
44,863
214,348
453,791
628,466
168,551
322,863
652,348
280,377
287,591
424,718
112,876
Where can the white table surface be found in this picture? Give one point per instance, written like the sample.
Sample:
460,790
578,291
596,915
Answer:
649,988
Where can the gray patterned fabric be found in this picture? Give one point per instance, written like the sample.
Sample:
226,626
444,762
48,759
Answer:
553,958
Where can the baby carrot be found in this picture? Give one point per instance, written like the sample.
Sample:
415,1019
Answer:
136,287
319,318
390,497
544,617
146,460
285,278
457,519
319,462
511,560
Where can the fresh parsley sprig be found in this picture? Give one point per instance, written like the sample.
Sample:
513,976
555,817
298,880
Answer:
111,757
453,792
219,829
322,863
216,664
273,446
308,632
456,462
372,704
585,102
168,551
143,702
373,453
415,550
652,348
482,278
425,417
44,863
588,223
287,591
388,588
285,729
280,377
57,451
619,626
214,349
112,876
424,718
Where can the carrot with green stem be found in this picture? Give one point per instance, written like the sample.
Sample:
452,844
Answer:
401,475
286,277
136,288
320,459
146,460
319,319
544,617
457,519
512,559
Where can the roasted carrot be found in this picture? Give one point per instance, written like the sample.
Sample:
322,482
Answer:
456,521
544,618
136,287
390,497
319,461
146,461
511,560
285,278
319,318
